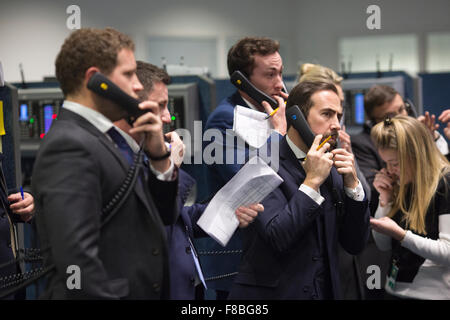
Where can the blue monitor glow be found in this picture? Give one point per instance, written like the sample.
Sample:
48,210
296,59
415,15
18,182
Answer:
48,117
359,108
23,112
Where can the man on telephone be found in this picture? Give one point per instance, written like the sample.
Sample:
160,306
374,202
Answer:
80,169
258,60
290,251
186,277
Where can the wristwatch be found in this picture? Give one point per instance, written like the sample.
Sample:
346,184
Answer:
164,156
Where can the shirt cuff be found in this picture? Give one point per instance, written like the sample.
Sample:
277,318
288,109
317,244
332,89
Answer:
313,194
442,145
164,176
356,194
383,211
277,132
408,240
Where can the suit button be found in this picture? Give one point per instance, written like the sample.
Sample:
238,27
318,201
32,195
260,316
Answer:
188,250
9,245
156,287
155,252
192,280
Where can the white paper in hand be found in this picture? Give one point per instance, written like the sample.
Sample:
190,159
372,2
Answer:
250,185
252,126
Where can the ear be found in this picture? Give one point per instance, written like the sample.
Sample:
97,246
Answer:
89,73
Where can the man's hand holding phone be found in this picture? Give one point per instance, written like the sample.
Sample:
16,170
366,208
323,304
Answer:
151,125
278,119
318,164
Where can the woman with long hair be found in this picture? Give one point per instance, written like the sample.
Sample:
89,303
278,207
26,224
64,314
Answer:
413,215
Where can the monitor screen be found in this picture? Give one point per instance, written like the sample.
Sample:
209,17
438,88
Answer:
359,108
48,117
23,112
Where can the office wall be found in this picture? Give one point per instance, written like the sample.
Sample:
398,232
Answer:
32,32
322,23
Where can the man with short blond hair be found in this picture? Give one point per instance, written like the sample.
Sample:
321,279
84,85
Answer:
81,165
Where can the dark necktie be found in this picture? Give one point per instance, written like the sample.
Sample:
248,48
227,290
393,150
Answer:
122,144
126,150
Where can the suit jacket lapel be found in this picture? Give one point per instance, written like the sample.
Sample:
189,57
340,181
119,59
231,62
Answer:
290,161
236,99
138,187
65,114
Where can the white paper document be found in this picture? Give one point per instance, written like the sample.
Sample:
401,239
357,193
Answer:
252,126
250,185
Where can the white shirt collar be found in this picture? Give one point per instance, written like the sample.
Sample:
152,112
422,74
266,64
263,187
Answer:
98,120
296,150
94,117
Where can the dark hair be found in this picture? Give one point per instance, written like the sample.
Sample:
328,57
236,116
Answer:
85,48
149,74
301,94
241,55
377,96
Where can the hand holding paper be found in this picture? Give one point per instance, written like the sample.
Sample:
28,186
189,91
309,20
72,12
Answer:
250,185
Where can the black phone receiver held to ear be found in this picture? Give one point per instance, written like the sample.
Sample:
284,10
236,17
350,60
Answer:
105,88
410,108
242,83
295,118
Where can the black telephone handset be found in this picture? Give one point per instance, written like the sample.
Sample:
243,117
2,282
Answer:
242,83
107,89
410,108
295,117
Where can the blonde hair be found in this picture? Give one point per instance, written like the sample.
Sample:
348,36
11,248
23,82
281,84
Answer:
317,73
419,155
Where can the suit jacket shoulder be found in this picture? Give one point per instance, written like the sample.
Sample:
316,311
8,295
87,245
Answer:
223,116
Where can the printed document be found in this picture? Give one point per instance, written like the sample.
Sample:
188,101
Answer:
252,126
250,185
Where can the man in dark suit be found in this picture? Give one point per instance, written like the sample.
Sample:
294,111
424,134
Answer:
290,251
258,59
185,270
82,163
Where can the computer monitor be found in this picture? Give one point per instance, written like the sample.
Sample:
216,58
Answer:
24,112
184,109
354,91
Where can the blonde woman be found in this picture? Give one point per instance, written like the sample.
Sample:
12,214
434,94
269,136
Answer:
413,216
316,72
